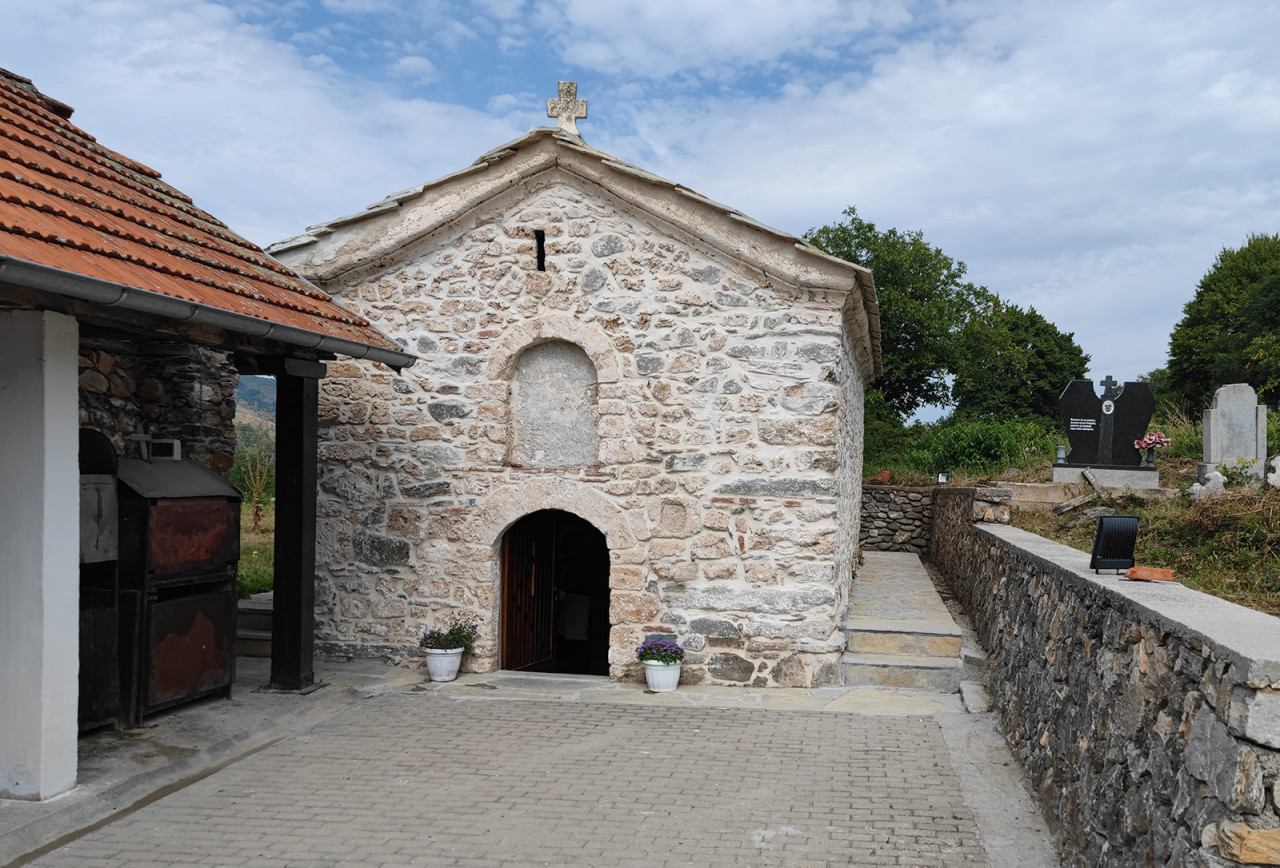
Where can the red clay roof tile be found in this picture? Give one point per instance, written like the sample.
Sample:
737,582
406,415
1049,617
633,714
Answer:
66,202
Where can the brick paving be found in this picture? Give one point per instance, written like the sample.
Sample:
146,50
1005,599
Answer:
423,779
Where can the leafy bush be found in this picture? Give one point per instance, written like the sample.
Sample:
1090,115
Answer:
1172,418
660,652
256,571
981,446
459,634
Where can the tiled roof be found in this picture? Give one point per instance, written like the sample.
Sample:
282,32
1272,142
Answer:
70,204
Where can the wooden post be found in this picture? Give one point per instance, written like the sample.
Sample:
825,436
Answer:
293,608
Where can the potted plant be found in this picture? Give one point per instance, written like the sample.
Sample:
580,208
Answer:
661,659
444,648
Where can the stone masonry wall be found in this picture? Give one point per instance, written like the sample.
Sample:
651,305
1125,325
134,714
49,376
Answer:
1147,715
720,401
189,395
896,519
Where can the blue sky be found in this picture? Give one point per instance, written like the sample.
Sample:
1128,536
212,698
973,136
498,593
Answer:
1089,159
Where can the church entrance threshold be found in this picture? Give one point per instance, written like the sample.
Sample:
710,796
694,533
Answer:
555,595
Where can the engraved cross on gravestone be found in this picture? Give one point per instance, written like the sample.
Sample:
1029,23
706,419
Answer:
567,109
1102,430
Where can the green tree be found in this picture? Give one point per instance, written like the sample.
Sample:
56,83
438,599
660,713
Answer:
1013,363
1228,331
1161,386
924,305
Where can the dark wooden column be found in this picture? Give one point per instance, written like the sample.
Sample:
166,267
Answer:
293,610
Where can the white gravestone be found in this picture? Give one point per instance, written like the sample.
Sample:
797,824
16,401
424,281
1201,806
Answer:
1235,428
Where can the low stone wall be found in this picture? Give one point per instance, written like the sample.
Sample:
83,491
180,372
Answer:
1147,715
896,518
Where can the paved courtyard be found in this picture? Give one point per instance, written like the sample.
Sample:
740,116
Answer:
425,779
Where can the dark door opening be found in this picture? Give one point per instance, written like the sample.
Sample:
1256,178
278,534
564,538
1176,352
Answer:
555,595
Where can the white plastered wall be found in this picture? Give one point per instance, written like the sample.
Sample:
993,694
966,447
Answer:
39,553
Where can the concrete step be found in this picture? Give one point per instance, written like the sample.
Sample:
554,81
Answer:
902,670
253,643
253,626
929,638
253,619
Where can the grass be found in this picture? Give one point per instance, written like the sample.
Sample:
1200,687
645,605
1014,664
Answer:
1227,546
256,572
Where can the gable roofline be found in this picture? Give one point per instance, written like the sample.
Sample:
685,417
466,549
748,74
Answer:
330,250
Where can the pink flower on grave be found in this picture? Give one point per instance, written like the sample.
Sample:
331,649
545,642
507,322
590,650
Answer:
1155,438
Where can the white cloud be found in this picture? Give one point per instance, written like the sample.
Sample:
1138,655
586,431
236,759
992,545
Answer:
1089,158
659,38
415,68
264,138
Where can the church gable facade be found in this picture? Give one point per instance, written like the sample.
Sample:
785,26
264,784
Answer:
636,412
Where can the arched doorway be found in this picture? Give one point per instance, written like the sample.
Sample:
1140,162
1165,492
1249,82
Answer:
555,595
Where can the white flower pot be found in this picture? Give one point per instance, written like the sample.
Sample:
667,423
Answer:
661,677
442,665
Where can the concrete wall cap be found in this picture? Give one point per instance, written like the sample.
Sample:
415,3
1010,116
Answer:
1248,639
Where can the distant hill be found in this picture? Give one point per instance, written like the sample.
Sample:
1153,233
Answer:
256,401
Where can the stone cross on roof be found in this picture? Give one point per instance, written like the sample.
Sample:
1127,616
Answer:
567,108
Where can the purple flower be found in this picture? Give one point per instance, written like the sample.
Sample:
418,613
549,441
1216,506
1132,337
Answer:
662,651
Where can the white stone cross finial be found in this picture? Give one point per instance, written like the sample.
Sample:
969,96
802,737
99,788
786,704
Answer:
567,108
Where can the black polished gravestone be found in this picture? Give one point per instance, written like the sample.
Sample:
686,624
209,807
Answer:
1102,430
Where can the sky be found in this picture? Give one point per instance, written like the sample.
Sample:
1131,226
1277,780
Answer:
1088,159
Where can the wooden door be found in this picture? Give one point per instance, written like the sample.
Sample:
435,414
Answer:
528,593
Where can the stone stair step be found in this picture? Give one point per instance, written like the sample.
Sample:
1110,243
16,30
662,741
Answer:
253,625
927,637
915,644
253,643
253,619
902,670
931,626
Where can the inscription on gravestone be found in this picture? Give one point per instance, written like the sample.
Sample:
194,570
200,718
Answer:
1101,430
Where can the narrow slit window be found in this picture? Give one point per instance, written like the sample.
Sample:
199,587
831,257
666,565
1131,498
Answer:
541,237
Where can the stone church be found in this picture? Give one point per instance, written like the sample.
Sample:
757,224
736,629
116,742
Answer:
637,411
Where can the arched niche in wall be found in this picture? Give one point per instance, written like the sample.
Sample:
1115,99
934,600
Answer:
553,407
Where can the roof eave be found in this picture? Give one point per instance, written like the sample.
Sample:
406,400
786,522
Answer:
120,297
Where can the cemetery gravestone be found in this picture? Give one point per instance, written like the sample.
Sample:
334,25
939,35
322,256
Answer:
1235,428
1102,430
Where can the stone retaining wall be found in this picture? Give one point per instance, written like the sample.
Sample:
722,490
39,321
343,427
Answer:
1147,715
896,519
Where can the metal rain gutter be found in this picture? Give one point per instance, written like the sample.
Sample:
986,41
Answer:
107,294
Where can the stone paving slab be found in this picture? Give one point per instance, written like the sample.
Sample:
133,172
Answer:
119,769
599,690
894,586
122,771
426,779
